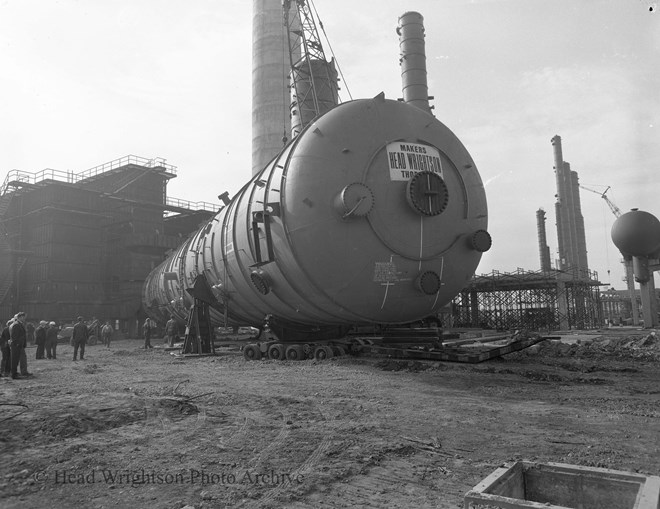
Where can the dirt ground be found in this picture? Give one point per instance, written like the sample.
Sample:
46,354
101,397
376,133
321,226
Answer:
133,428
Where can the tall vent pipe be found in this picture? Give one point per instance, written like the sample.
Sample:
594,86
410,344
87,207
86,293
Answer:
413,60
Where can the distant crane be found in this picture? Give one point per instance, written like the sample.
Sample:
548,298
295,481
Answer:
615,210
630,278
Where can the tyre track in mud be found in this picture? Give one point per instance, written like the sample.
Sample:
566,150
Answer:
234,426
344,425
303,469
273,445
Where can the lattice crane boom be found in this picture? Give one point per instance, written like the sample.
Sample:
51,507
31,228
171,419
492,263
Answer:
313,78
615,210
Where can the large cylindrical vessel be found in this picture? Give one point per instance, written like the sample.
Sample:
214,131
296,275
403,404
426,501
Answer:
375,213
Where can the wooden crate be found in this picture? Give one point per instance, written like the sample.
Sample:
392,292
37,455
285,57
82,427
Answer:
525,484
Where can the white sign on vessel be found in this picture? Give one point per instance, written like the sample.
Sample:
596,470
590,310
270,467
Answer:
406,159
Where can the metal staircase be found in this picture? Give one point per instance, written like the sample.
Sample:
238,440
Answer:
8,282
112,183
7,278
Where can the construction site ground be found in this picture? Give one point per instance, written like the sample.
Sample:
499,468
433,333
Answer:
133,428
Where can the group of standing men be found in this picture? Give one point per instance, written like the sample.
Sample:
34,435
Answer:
149,328
14,338
13,341
45,337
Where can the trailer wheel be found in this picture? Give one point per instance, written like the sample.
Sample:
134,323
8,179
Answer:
252,353
323,352
295,353
276,352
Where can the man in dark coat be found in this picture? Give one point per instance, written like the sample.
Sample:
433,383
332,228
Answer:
18,338
51,341
79,338
171,328
29,329
147,329
5,366
40,338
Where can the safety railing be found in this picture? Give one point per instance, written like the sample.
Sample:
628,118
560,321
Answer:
525,274
16,176
156,162
197,205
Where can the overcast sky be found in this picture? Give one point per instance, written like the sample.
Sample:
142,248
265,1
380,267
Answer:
87,82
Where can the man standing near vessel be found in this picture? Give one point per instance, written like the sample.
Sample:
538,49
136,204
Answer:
79,338
18,335
171,328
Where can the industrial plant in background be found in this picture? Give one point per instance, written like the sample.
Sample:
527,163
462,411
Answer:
560,298
81,243
366,211
373,213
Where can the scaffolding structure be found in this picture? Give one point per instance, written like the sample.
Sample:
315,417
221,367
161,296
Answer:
82,243
534,300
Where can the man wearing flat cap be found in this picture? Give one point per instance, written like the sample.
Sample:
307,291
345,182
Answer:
40,338
51,341
79,338
18,338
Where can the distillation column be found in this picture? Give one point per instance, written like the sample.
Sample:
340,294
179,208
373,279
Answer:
544,250
572,244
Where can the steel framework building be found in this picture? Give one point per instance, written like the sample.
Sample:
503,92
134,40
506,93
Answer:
82,243
535,300
618,308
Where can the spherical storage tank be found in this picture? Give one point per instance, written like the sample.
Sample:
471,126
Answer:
637,233
375,213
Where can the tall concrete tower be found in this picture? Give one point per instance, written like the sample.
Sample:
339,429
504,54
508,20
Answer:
270,80
572,245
